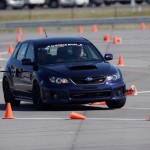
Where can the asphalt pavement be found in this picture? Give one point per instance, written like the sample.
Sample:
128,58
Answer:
104,129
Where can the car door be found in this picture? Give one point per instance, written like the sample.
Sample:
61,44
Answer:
17,69
27,73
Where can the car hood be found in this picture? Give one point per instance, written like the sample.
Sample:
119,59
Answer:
81,69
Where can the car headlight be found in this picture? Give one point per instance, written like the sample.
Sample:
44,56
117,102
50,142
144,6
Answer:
113,78
58,80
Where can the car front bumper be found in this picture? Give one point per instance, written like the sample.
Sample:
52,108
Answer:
82,94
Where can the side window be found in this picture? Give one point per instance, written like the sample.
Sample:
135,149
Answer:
16,49
22,51
30,53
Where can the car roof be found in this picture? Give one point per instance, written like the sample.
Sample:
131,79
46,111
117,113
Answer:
59,40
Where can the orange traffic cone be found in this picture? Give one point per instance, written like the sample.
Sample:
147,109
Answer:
148,119
143,26
95,103
103,103
121,61
95,28
40,30
129,92
107,38
9,113
20,31
10,49
75,115
98,103
80,29
132,91
18,39
115,40
119,40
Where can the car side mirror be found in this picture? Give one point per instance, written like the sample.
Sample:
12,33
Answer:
108,57
27,62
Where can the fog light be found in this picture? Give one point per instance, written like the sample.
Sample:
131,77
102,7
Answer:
55,96
119,91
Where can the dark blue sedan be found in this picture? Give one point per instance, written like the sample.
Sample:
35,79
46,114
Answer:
63,70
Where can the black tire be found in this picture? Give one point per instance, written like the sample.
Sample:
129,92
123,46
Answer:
8,95
107,3
37,97
124,2
98,4
54,4
3,5
116,104
139,1
148,1
31,6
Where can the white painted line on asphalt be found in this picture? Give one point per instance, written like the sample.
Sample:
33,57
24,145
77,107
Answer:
6,43
136,108
116,119
1,59
141,92
42,118
105,119
3,53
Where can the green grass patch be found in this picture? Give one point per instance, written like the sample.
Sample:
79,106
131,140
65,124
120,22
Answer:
69,14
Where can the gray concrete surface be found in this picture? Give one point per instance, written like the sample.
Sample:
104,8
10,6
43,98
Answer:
104,129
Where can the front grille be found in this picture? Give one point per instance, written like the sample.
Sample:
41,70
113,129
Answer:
96,80
89,94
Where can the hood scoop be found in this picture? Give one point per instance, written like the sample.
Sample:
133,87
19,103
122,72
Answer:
84,67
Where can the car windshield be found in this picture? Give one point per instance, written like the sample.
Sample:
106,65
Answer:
67,52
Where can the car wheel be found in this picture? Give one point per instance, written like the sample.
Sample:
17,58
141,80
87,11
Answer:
37,98
31,6
107,3
3,5
54,4
8,95
116,104
139,1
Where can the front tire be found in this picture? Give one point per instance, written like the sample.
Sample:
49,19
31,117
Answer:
37,96
8,95
115,103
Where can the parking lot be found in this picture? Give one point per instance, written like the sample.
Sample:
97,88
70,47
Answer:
104,128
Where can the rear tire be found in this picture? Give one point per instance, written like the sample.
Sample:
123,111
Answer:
54,4
31,6
8,95
3,5
107,3
115,103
